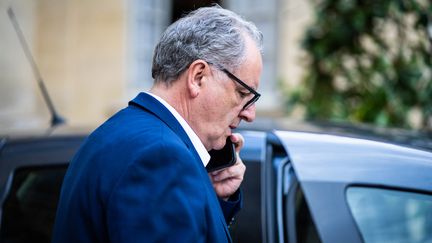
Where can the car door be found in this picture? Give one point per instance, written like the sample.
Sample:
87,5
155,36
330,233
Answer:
248,223
339,189
31,174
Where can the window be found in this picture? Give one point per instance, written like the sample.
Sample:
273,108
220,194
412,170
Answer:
30,207
182,7
385,215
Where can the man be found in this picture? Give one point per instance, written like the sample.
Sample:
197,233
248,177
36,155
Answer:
140,176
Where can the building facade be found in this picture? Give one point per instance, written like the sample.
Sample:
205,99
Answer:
96,55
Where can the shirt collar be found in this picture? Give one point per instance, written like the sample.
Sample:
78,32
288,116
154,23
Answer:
198,145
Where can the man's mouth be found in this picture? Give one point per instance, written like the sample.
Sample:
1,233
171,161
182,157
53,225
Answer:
232,127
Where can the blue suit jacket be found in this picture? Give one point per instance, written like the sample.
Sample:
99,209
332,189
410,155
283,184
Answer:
138,178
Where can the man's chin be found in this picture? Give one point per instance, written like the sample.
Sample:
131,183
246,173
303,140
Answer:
220,144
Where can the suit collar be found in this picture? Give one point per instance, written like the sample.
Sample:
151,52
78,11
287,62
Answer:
149,103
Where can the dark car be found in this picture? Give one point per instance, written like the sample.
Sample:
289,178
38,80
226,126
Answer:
308,184
32,166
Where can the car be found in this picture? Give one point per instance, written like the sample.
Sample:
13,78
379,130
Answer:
304,182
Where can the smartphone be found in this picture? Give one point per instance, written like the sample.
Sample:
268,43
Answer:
223,158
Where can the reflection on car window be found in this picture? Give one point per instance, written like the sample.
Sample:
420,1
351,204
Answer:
305,227
30,207
384,215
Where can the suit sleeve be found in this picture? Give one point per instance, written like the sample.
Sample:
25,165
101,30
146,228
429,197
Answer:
231,207
159,198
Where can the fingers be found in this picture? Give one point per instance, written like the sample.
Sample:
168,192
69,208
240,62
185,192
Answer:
238,141
233,172
238,169
227,181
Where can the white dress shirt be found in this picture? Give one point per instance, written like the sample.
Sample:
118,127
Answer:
199,146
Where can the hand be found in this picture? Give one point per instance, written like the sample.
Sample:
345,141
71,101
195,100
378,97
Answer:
226,181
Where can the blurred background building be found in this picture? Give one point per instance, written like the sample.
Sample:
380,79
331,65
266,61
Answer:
96,55
343,61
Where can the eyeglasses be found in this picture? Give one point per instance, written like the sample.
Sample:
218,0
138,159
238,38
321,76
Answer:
256,94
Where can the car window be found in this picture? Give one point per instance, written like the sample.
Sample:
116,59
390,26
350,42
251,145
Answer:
30,207
385,215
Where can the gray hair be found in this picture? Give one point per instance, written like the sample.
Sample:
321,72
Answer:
213,34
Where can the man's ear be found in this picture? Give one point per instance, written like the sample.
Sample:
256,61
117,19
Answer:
197,74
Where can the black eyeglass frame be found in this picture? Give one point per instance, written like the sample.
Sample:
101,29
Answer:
256,94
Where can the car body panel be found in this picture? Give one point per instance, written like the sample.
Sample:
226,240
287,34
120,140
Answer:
326,165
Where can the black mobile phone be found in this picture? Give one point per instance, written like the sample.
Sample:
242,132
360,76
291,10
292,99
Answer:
223,158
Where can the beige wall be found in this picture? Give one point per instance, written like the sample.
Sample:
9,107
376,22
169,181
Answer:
79,48
83,56
17,97
294,16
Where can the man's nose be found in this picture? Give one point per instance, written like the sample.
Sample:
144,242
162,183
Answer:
249,113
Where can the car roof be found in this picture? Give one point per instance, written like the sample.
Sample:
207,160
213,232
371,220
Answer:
331,158
19,134
410,138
